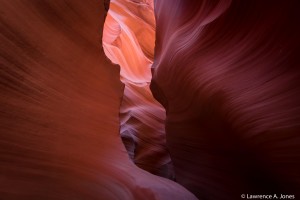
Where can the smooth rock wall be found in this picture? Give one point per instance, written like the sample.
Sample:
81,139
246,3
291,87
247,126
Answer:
227,73
59,109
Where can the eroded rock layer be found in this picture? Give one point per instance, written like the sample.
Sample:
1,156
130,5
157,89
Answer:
59,102
128,40
228,74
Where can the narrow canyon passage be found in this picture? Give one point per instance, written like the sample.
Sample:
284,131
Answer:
149,100
128,40
60,100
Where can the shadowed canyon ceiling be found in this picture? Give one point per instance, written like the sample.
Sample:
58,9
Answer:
155,100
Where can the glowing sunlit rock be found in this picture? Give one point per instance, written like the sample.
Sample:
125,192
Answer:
128,40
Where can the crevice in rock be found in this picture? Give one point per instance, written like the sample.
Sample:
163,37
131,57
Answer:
128,41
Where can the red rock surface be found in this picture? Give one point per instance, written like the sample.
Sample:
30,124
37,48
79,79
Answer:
228,74
60,99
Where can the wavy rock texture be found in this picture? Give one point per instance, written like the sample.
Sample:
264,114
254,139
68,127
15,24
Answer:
128,40
228,74
59,115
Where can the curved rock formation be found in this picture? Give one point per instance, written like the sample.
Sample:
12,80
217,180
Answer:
128,40
228,74
59,114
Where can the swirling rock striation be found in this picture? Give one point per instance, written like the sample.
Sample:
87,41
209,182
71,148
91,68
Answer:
59,109
227,73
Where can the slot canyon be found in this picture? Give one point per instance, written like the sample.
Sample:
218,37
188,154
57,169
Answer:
149,99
